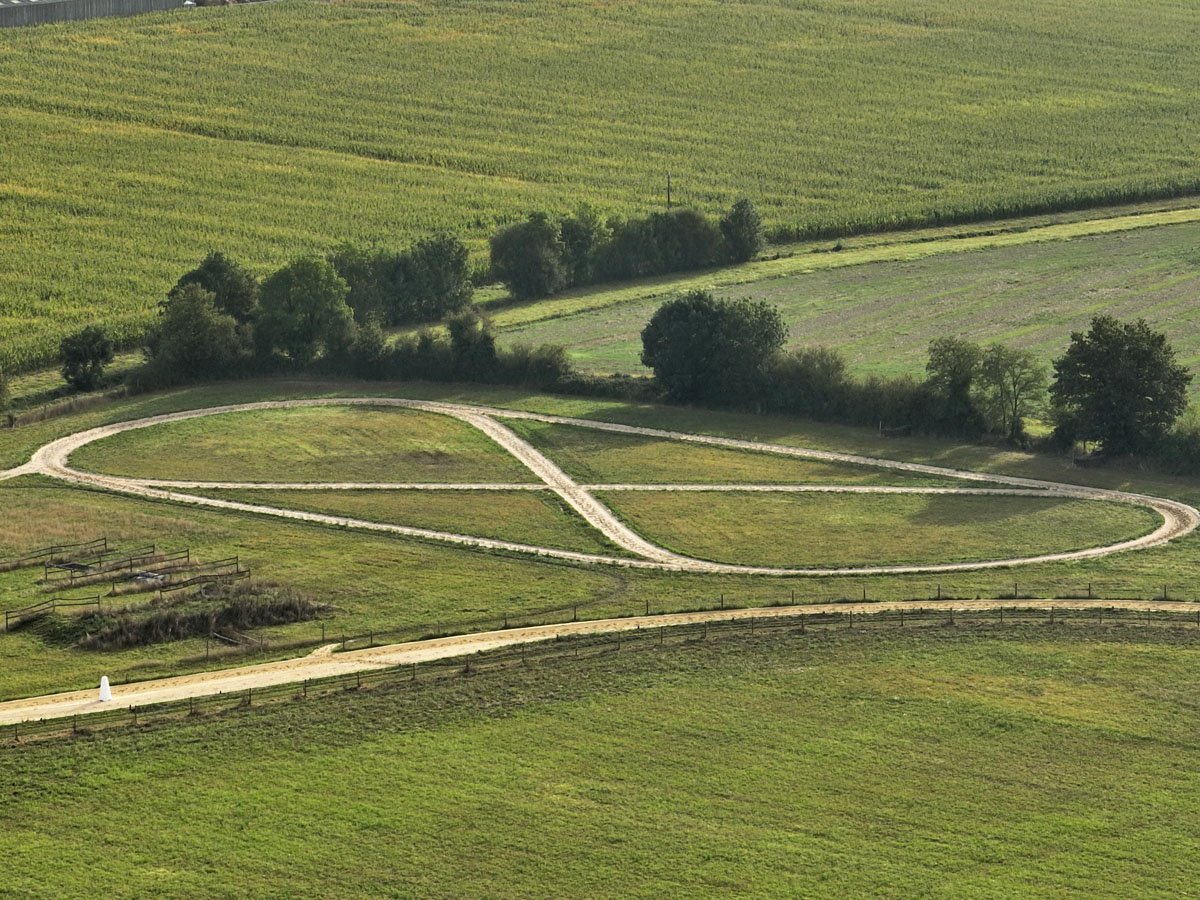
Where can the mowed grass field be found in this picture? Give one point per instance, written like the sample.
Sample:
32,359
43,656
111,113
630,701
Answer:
599,457
129,150
882,315
539,518
353,444
383,583
935,762
857,530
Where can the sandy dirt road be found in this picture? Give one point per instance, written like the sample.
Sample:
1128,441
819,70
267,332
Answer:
325,664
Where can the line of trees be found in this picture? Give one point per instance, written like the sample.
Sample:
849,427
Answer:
544,255
1118,384
220,319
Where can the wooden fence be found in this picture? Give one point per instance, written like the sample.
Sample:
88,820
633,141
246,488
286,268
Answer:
15,617
57,553
567,649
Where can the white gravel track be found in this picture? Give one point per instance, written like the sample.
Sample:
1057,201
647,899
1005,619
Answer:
53,460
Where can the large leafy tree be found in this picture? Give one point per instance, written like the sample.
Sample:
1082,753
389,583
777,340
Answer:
84,356
367,272
952,369
304,311
701,348
1119,384
234,287
1013,386
742,229
529,258
432,279
192,337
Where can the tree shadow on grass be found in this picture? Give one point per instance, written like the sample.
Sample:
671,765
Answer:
948,510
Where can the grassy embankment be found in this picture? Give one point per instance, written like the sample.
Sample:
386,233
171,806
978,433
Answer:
931,762
128,152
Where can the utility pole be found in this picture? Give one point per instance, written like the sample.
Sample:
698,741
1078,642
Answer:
668,190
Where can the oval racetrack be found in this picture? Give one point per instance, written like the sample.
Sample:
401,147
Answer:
53,460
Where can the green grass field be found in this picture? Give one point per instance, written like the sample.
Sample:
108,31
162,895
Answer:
383,583
925,762
597,457
882,315
848,529
539,518
129,149
336,444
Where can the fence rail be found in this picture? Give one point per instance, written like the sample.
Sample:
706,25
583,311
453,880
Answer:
570,648
62,552
46,607
71,572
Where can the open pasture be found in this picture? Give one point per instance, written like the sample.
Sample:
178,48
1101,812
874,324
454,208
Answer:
539,518
323,444
597,457
936,762
384,582
882,316
129,151
857,529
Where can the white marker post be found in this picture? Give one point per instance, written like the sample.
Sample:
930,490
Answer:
105,690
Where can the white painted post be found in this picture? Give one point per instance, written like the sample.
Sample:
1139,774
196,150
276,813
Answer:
105,690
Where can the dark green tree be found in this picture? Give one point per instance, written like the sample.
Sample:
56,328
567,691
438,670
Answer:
952,369
1119,384
581,234
686,240
192,337
701,348
304,311
233,286
84,355
367,273
472,346
529,258
1012,386
742,229
432,279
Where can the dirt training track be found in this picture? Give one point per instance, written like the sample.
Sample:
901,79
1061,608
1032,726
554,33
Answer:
53,460
325,664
